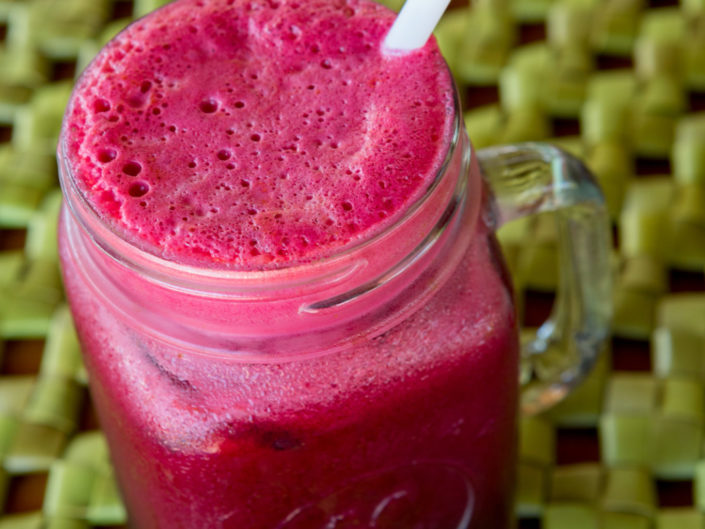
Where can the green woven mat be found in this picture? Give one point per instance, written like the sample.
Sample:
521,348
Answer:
616,82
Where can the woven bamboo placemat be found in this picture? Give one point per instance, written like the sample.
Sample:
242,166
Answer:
620,83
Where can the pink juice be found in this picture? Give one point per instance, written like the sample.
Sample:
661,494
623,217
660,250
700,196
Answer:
362,373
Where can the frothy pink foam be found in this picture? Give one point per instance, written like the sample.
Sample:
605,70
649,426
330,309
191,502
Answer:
260,134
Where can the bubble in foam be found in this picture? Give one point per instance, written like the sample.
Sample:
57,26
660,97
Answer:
132,168
294,32
224,154
101,105
208,106
138,189
106,155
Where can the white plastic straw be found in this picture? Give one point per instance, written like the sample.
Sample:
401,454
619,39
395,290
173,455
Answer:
414,25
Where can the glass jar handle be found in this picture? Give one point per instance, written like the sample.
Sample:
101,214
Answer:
532,178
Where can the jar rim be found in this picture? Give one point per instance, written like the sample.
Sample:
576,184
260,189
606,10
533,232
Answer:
189,277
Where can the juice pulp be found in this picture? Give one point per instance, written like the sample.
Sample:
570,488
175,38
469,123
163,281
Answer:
197,137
